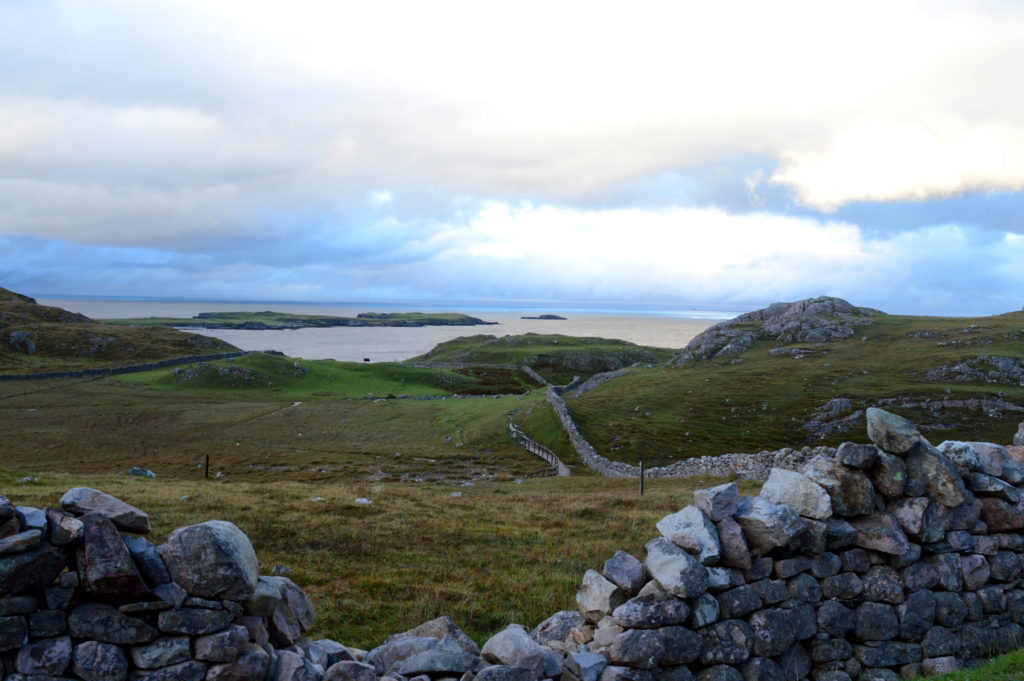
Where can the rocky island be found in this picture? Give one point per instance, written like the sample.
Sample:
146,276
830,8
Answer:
268,320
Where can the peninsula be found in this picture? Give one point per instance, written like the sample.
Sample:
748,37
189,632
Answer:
262,321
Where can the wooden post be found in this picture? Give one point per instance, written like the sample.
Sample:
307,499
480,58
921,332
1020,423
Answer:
207,466
641,478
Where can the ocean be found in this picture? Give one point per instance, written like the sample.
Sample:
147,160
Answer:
659,327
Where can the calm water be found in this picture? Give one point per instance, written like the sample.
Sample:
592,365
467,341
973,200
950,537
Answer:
660,328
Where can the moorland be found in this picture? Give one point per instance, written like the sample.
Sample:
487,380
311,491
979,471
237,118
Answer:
454,524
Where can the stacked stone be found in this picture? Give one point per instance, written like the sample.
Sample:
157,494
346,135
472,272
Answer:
80,600
875,562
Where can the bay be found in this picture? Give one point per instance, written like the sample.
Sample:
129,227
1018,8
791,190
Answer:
660,327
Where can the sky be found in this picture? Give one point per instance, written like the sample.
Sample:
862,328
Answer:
641,153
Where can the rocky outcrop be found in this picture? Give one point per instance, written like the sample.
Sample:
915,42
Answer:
814,320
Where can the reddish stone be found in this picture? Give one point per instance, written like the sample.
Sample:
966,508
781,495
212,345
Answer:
107,569
1000,516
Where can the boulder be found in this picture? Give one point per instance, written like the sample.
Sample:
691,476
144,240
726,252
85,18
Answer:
254,663
940,479
64,527
652,611
31,570
105,624
109,573
447,658
889,475
1018,437
767,526
799,492
848,488
626,572
585,666
163,652
193,621
82,500
1001,516
728,642
857,455
773,633
922,519
735,552
513,647
674,569
881,532
350,670
212,560
718,502
692,530
598,597
992,457
293,615
989,486
49,657
960,454
95,661
890,432
557,627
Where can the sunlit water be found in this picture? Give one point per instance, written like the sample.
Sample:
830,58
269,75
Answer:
661,328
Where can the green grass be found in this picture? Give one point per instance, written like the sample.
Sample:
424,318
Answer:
556,357
500,553
715,406
1009,667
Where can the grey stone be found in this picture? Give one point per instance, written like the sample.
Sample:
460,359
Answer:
83,500
22,541
881,532
18,605
950,570
771,591
975,571
787,567
835,619
32,570
651,611
761,669
726,642
889,654
294,615
950,609
692,530
674,569
767,526
64,527
585,666
49,657
760,568
920,575
31,518
253,663
193,621
641,648
803,620
626,572
146,558
105,624
917,615
799,492
13,632
921,518
849,489
857,455
961,454
95,661
939,642
224,646
719,672
557,627
616,673
937,666
795,662
773,634
735,552
163,652
446,658
514,647
839,534
705,610
171,593
875,622
211,560
506,673
994,599
889,475
6,509
992,457
986,485
831,650
1005,566
943,483
739,602
682,646
855,560
804,588
47,623
108,572
891,432
845,585
826,565
717,502
598,597
883,584
397,649
183,671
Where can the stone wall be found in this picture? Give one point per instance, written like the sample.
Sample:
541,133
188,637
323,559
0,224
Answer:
873,562
742,466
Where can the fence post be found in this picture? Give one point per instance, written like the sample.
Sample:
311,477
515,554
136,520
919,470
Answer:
641,478
207,466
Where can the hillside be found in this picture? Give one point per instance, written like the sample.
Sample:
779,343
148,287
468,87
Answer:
39,338
804,373
556,357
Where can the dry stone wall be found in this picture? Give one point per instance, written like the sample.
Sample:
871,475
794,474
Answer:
871,563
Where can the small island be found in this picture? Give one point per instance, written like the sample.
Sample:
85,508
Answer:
546,316
266,321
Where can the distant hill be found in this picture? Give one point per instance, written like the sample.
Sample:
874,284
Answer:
805,372
40,338
259,321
